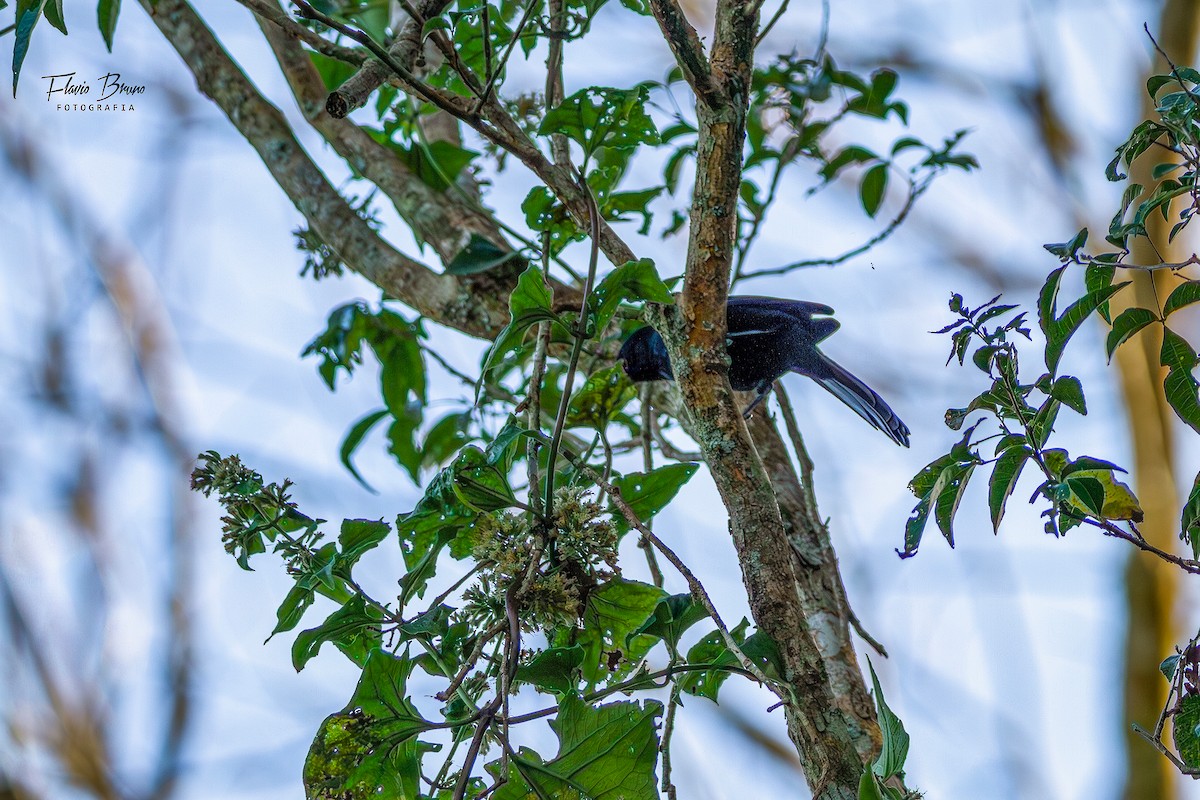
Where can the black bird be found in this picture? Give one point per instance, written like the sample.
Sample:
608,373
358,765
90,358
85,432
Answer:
768,337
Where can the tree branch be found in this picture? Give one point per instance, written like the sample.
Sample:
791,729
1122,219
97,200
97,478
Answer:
689,53
447,299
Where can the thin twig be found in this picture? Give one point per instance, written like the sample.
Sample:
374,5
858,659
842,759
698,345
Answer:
580,334
494,74
915,191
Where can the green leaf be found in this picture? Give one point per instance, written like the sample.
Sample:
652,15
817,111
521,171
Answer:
357,433
1069,391
333,72
635,281
598,117
1185,730
529,304
445,438
402,439
28,12
354,628
107,12
1087,463
854,154
606,752
497,451
1005,475
1090,483
356,538
1089,492
480,255
601,398
429,624
868,786
544,213
873,188
895,739
369,750
1127,323
647,493
947,494
1060,329
292,609
554,670
1189,521
1067,250
1180,387
435,24
480,484
1183,295
1176,353
713,650
53,9
672,617
615,611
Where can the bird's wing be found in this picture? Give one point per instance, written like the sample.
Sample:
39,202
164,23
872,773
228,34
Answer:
750,313
813,318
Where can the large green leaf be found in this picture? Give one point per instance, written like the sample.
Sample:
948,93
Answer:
635,281
603,396
369,749
647,493
529,304
605,752
615,611
602,117
1185,730
354,628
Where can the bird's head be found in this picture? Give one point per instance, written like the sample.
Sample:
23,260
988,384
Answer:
644,356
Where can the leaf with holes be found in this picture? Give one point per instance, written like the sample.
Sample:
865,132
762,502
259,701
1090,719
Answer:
634,281
606,751
369,748
598,117
647,493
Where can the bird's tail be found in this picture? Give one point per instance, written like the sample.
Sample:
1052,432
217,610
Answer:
860,397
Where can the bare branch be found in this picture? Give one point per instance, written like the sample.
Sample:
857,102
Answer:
689,53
